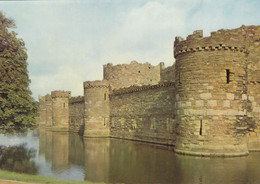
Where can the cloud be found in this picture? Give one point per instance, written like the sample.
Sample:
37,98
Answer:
69,41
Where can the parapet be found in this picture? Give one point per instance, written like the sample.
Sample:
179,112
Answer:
48,97
60,94
125,75
41,99
224,39
96,84
77,99
133,89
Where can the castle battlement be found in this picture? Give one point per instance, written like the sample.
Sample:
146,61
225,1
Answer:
60,94
230,40
133,89
77,99
96,84
207,103
47,97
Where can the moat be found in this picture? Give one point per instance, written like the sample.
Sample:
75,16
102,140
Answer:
71,157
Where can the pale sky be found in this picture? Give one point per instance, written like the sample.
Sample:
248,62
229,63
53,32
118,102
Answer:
69,41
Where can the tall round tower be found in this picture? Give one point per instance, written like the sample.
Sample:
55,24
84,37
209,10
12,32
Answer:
96,109
48,106
42,111
211,93
60,110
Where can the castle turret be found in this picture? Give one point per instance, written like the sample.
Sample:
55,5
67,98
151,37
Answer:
211,87
60,110
42,111
96,109
48,106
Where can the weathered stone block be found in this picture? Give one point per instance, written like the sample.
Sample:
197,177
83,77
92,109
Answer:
199,103
230,96
205,96
212,103
226,103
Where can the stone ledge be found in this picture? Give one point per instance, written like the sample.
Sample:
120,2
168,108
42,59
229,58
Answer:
204,154
210,48
133,89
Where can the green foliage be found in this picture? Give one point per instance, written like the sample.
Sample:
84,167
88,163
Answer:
18,159
18,109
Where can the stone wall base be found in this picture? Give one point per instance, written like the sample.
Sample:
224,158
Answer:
214,150
97,133
254,140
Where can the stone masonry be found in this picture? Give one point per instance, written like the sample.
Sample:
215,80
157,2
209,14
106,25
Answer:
207,103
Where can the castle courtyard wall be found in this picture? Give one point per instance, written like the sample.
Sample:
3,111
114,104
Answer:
144,113
253,98
126,75
76,114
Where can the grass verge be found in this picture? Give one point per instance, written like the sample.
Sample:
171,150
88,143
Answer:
7,175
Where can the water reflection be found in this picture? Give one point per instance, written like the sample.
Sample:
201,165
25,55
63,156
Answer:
18,159
69,156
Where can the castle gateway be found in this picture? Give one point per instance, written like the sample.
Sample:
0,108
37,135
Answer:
207,103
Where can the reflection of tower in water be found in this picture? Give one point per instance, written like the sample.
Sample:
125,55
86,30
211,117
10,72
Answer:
97,159
55,147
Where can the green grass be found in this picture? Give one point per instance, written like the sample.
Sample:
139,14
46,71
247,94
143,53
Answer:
7,175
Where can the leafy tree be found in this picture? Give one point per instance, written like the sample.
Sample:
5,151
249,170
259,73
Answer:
18,109
18,159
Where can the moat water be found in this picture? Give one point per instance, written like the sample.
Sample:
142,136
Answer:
69,156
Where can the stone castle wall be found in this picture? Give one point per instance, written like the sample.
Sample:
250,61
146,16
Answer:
167,74
126,75
253,88
211,78
207,103
144,113
96,114
76,114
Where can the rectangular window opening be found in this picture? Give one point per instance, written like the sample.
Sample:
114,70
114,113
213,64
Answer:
64,105
228,75
200,127
105,96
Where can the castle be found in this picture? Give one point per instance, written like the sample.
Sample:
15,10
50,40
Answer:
207,103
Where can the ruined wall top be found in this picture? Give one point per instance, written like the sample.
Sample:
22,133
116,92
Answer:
125,75
133,89
223,39
96,84
76,99
60,94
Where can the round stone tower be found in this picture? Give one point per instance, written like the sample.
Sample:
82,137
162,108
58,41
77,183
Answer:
211,93
96,109
60,110
48,106
42,111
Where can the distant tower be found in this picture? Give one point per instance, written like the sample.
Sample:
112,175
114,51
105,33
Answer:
211,89
42,112
60,110
96,109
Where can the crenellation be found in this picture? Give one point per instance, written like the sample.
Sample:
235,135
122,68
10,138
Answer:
60,94
77,99
207,103
96,84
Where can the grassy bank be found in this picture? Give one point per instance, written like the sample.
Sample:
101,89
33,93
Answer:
35,179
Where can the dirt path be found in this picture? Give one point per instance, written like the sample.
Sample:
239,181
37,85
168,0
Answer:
13,182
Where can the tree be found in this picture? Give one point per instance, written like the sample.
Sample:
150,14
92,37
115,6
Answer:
18,109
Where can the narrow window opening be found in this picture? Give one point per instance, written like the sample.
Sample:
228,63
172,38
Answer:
139,71
105,96
64,105
228,75
200,127
179,78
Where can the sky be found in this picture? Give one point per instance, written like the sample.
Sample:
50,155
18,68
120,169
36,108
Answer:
69,41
